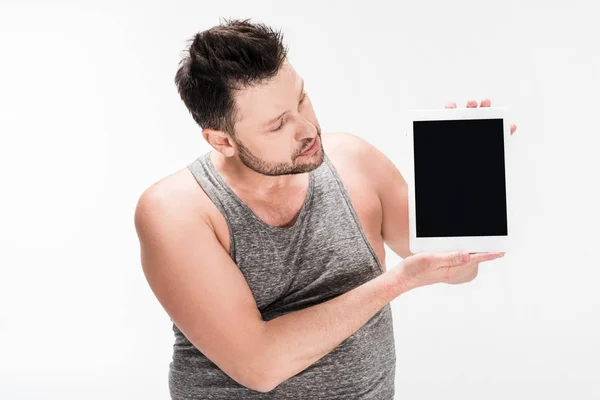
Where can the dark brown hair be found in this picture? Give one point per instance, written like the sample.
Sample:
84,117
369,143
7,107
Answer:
227,57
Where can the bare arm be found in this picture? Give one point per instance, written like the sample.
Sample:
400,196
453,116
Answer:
393,194
300,338
207,297
199,286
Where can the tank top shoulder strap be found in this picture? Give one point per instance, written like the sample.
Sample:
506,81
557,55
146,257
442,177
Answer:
216,189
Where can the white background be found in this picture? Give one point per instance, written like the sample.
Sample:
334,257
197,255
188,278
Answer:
90,117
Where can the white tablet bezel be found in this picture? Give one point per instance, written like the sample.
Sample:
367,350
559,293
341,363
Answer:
463,243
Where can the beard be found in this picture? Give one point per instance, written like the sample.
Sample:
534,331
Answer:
280,168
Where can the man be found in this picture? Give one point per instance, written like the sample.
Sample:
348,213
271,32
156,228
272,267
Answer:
268,251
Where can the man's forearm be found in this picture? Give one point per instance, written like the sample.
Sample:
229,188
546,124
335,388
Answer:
296,340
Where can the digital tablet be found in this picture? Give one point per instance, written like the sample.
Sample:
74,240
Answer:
459,197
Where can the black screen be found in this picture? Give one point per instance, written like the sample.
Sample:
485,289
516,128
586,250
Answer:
460,186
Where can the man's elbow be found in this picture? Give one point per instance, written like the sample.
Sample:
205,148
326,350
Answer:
263,382
263,387
271,373
258,375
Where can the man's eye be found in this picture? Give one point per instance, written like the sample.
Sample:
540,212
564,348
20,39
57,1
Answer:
279,127
283,121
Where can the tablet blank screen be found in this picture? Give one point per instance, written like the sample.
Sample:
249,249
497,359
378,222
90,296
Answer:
460,187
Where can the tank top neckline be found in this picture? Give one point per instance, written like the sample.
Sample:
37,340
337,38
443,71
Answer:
301,214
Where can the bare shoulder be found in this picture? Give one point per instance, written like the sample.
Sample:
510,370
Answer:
353,156
343,142
182,202
175,194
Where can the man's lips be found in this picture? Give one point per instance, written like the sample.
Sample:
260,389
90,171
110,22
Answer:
310,148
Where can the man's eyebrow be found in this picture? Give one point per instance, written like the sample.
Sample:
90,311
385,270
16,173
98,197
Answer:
283,113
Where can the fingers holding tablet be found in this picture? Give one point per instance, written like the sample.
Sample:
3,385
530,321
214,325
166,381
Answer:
484,103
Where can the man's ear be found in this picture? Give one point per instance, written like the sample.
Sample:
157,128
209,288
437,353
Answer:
220,141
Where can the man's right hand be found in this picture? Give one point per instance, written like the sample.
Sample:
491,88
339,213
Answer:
427,268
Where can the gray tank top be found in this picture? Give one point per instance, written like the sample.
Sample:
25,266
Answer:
323,255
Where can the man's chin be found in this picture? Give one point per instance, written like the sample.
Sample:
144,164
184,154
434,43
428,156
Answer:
301,165
311,163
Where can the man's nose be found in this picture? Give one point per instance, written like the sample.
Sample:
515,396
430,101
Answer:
305,131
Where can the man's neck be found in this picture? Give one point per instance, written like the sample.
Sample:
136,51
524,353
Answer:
245,180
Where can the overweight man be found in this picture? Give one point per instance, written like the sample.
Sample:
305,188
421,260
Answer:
267,252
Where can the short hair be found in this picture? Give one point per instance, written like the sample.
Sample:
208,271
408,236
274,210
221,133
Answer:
227,57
